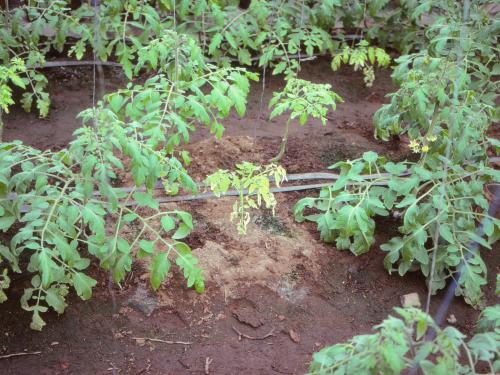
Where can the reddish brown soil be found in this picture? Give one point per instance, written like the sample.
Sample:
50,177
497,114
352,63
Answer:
279,279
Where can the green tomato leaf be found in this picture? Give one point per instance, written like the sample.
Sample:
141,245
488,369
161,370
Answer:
159,269
83,285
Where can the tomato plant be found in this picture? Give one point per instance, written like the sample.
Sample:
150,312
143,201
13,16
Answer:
400,343
270,33
345,211
304,100
445,104
49,202
248,180
54,205
362,57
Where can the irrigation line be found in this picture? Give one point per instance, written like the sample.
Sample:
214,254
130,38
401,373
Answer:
63,63
210,195
231,193
300,177
285,189
289,177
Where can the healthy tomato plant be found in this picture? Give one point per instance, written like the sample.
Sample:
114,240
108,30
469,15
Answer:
372,186
61,209
271,33
186,91
304,100
55,206
445,105
401,344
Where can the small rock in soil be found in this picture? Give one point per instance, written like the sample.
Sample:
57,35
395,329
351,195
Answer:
410,300
452,319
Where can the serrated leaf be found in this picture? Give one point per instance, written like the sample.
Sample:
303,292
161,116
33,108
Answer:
6,222
186,218
128,218
37,323
55,300
370,156
445,232
83,285
160,266
215,43
145,199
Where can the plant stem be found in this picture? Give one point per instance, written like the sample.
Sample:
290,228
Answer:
234,20
284,141
450,143
1,126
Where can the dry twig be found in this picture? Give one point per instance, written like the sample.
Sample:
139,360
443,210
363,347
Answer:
18,354
240,335
162,341
208,361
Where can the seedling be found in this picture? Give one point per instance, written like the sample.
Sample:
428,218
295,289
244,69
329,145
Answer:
363,57
304,100
250,181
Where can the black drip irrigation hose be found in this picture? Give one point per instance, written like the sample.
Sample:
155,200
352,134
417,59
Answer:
291,177
229,193
65,63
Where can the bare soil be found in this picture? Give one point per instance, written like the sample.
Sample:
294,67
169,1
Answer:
273,297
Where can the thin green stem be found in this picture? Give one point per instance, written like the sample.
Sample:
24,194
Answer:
284,141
